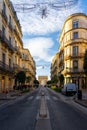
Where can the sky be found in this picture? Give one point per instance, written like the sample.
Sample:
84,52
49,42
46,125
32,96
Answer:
41,33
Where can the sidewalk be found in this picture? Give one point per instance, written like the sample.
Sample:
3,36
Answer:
5,98
14,96
83,102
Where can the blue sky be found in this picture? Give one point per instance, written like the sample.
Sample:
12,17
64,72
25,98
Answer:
41,36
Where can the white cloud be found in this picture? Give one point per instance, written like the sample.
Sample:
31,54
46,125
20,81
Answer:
40,48
32,22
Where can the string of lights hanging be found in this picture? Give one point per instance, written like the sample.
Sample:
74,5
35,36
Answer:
43,7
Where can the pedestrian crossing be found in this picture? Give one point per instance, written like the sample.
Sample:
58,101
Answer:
47,98
30,98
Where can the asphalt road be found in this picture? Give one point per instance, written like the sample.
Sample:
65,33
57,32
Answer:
22,115
63,115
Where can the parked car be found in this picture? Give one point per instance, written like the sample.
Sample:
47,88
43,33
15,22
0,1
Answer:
69,89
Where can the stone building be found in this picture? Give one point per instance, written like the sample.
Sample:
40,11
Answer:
11,47
42,79
73,43
55,66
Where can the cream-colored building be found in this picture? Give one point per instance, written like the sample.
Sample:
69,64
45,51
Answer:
55,66
8,21
43,80
73,43
28,65
11,46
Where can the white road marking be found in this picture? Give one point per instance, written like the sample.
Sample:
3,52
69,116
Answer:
55,98
30,98
38,97
47,97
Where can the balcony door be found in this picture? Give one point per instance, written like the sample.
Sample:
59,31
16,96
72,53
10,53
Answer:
3,83
3,59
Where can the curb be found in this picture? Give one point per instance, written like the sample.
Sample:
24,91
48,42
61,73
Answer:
82,104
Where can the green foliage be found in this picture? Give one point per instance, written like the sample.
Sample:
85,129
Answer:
21,77
85,63
61,78
36,83
49,82
28,78
54,79
57,89
25,90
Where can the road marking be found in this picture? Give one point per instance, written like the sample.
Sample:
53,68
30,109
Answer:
47,97
30,98
38,97
55,98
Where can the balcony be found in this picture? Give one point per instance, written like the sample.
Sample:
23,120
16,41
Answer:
26,70
5,42
4,16
79,55
73,71
61,62
6,68
17,50
25,58
17,35
73,41
16,67
10,27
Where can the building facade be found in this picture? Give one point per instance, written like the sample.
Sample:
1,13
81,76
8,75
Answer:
28,65
73,43
11,46
42,80
55,66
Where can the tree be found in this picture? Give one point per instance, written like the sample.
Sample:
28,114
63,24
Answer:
21,77
49,83
36,83
28,79
61,79
55,79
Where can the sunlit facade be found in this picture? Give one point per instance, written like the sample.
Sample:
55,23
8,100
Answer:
42,80
11,48
55,66
73,43
28,65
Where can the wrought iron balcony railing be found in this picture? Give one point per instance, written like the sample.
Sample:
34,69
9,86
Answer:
10,27
6,42
70,56
4,16
5,67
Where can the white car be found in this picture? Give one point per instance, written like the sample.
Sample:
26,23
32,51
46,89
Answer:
69,88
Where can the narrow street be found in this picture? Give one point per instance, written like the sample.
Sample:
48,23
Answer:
22,115
64,116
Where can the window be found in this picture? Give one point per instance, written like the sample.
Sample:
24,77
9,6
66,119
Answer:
10,40
3,59
4,8
75,50
3,31
23,66
75,35
75,65
75,24
10,20
9,63
23,55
